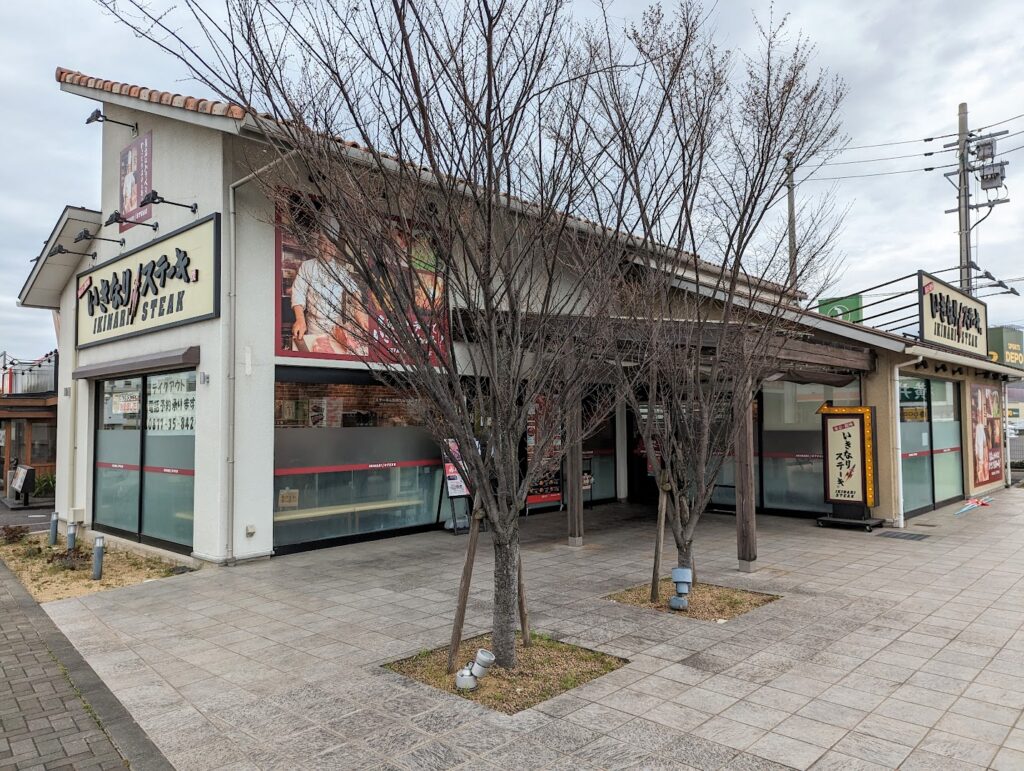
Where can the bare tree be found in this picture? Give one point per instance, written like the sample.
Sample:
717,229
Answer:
432,153
694,138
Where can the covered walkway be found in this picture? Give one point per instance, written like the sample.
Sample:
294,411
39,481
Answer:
881,652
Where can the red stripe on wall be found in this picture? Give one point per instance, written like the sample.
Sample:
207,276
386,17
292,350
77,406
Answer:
185,472
922,453
117,466
280,472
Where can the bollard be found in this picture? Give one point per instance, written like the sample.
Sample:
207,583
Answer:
53,529
97,558
72,533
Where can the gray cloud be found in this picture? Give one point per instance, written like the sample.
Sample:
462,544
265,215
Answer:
908,65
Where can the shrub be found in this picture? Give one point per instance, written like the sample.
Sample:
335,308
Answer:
46,484
13,533
71,559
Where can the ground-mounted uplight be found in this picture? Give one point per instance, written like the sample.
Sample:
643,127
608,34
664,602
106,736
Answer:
683,579
467,678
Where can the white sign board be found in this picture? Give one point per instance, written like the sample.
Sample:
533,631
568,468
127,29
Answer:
951,318
844,459
453,480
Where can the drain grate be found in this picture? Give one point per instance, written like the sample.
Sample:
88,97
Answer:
904,536
923,524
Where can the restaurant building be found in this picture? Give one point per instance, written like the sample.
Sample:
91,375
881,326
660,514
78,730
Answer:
202,410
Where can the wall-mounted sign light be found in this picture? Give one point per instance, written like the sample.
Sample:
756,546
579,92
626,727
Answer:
98,117
115,218
153,197
58,249
85,235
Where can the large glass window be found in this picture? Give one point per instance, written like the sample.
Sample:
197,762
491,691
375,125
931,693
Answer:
145,456
791,447
44,442
930,438
348,460
599,463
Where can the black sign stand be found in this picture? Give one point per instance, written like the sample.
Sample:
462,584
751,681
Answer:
846,513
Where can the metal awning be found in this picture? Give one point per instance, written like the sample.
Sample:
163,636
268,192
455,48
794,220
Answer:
180,358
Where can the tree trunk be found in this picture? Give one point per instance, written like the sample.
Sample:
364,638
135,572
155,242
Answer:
506,598
685,552
659,538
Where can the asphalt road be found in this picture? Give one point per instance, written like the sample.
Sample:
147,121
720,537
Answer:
37,519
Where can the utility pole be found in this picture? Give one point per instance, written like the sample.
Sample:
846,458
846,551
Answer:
964,200
992,175
791,196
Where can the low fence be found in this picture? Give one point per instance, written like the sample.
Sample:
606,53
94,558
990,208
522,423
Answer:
1015,446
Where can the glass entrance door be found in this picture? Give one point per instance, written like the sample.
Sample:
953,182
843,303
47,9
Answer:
118,454
930,438
145,458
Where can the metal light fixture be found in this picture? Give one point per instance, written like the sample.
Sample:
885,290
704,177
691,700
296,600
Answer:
97,116
153,197
467,678
115,217
85,235
59,249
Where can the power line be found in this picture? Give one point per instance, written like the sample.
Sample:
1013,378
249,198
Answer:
811,178
887,158
915,141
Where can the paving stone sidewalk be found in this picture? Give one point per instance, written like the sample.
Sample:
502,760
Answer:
50,699
882,653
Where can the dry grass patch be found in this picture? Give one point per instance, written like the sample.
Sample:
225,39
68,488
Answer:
545,669
30,560
708,602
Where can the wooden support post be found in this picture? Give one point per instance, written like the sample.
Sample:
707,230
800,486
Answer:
659,538
524,613
573,483
746,525
467,577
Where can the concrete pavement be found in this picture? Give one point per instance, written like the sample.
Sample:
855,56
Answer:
882,652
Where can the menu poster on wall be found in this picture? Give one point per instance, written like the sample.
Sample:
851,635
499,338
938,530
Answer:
987,433
171,404
456,485
136,181
548,485
325,310
124,403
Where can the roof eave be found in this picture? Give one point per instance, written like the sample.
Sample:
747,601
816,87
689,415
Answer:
223,123
71,219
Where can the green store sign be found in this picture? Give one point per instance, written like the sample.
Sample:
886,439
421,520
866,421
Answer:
845,308
1006,346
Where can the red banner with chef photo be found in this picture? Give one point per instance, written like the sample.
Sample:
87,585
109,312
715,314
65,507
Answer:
136,180
326,311
987,433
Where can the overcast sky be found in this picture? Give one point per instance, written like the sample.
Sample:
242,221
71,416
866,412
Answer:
907,64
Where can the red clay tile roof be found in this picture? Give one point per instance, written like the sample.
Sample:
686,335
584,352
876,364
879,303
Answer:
207,106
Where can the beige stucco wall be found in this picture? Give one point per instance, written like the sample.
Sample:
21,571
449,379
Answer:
879,391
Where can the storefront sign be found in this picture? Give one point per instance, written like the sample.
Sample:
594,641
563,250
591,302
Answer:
987,433
136,181
850,462
845,308
1006,346
951,318
170,281
454,482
